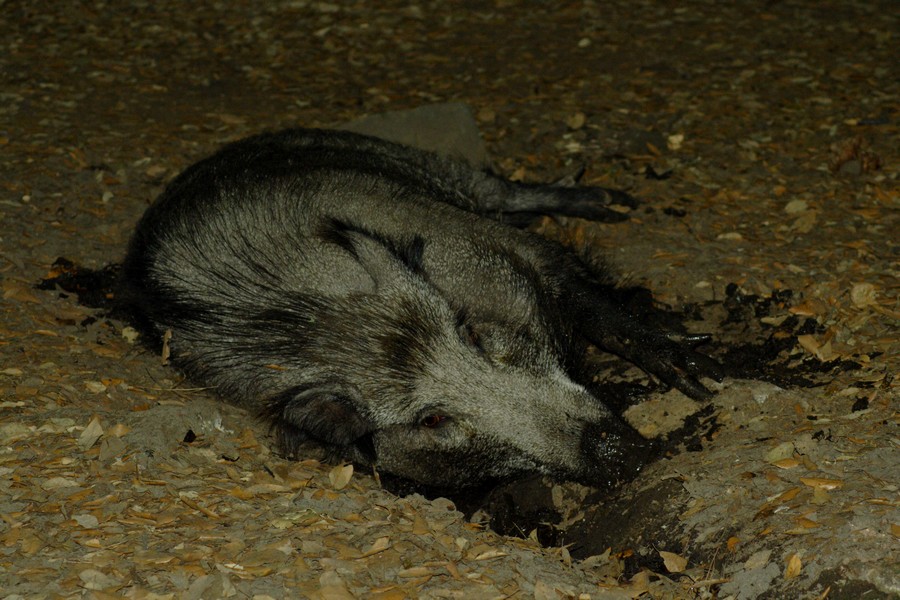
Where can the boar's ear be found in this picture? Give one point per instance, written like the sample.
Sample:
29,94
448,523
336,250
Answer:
389,261
377,253
324,412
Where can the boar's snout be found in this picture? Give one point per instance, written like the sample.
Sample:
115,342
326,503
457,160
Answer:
615,452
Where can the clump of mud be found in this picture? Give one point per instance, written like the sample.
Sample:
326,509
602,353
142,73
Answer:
94,287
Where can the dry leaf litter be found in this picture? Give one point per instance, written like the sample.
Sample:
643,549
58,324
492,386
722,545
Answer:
761,138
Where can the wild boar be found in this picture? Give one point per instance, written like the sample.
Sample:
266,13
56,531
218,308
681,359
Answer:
374,299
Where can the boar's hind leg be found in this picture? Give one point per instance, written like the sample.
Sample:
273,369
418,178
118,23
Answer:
669,356
519,203
447,179
589,202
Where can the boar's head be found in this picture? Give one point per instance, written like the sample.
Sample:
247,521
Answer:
396,377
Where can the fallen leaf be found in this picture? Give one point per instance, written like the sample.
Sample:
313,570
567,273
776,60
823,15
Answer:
774,321
795,207
758,559
118,430
780,452
576,121
165,352
340,476
863,294
566,557
95,387
379,545
420,525
675,563
95,580
90,435
639,584
823,352
130,334
546,591
794,565
332,587
87,521
111,448
193,504
810,308
10,432
821,482
805,222
490,554
414,572
820,496
785,496
674,142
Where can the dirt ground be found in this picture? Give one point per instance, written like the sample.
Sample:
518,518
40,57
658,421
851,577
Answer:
762,139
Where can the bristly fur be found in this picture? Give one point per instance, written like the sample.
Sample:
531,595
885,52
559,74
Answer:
370,298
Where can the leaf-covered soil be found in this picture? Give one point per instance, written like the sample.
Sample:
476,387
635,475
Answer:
762,139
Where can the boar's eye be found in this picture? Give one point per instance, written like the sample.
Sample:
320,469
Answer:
433,421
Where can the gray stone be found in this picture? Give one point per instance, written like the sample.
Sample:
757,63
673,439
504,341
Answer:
447,128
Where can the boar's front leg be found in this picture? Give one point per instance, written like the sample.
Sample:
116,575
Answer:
667,355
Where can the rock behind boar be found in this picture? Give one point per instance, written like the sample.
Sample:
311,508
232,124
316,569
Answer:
372,297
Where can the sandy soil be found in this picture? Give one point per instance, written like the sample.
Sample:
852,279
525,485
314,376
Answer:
762,140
